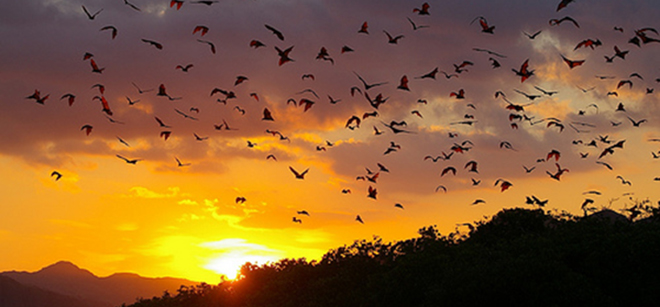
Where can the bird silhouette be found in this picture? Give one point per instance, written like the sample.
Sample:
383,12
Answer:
104,104
504,185
471,166
91,16
206,2
623,180
70,98
256,44
211,45
95,67
448,169
165,134
284,55
557,175
424,10
123,142
403,85
87,129
364,28
415,26
141,91
366,85
524,73
345,49
588,43
534,35
131,5
299,175
605,164
393,39
112,29
636,123
563,4
371,192
275,32
161,123
178,4
572,64
129,161
610,149
179,164
184,68
556,22
57,175
156,44
484,25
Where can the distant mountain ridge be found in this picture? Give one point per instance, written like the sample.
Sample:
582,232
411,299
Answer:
15,294
67,279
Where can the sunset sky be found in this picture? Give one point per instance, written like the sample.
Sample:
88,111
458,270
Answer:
157,218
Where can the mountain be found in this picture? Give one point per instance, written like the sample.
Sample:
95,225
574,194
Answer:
66,278
14,294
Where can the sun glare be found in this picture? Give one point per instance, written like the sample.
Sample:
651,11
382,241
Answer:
233,253
230,264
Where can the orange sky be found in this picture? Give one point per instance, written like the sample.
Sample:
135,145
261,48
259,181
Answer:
156,218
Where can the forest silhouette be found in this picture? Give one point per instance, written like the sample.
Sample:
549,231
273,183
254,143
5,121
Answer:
519,257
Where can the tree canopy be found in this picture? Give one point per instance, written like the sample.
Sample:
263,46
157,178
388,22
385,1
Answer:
517,257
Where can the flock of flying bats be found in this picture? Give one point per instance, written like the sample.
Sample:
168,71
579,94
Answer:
517,116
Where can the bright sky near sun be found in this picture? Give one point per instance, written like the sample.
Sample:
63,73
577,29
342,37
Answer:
175,212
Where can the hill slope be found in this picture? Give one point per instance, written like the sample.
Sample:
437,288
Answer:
68,279
14,294
518,258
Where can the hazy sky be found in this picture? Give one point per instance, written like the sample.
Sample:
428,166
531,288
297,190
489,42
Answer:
157,218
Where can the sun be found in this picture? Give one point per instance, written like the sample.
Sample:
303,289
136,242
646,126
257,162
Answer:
229,264
229,255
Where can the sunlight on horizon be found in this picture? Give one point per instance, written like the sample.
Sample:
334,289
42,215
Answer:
233,253
119,178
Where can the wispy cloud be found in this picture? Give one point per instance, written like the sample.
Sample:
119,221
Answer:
142,192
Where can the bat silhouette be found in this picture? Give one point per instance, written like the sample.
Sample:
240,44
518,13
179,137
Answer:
112,28
572,64
532,36
424,10
178,4
523,73
129,161
275,32
57,175
556,22
132,6
415,26
392,39
256,44
298,175
208,43
202,29
284,55
158,45
91,16
364,28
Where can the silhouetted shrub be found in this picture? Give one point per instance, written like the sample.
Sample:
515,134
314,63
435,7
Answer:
519,257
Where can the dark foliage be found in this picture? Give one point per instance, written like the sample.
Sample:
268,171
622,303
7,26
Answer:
519,257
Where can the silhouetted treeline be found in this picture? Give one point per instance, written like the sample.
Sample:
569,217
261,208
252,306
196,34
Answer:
519,257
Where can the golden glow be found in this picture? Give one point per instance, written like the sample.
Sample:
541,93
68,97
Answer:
156,218
230,254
